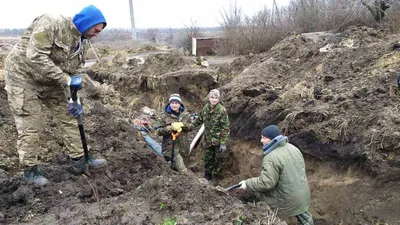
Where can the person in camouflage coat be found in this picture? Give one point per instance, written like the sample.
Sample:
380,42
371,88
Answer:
174,119
40,68
216,133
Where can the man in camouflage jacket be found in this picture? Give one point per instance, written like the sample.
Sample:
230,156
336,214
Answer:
216,133
174,119
40,68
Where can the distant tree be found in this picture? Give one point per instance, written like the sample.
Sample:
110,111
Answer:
117,34
11,32
153,34
191,31
114,34
377,9
170,36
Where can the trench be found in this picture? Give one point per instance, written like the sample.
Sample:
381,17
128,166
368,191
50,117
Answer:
341,193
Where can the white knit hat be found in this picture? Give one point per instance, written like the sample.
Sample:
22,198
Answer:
175,98
214,93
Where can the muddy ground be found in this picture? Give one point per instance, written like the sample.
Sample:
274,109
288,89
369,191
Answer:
336,98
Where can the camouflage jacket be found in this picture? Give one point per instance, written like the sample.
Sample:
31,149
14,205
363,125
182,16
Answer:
49,51
216,124
164,129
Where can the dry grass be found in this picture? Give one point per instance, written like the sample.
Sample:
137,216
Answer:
289,120
259,32
341,126
300,92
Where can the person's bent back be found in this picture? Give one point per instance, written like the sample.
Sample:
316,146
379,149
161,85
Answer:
282,183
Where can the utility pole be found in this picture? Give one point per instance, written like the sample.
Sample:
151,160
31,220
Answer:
133,27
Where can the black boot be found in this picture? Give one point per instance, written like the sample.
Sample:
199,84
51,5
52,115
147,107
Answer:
207,175
78,166
34,175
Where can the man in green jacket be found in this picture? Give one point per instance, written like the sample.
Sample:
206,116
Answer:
282,183
216,132
39,71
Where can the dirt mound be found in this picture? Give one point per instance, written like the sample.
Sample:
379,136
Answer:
99,51
161,63
2,58
152,48
137,185
155,65
329,103
151,83
337,100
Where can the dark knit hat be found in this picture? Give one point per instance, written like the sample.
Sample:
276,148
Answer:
175,98
271,132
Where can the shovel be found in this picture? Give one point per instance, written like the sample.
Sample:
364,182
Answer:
74,97
232,187
174,135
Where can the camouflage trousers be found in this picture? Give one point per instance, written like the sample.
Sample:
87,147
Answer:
305,218
213,161
26,103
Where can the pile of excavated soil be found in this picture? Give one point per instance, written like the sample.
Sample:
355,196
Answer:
339,104
151,83
2,57
337,100
136,187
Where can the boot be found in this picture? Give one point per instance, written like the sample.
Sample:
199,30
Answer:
207,175
34,175
78,166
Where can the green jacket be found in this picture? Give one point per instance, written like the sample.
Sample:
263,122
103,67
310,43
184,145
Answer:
48,52
164,129
282,183
216,124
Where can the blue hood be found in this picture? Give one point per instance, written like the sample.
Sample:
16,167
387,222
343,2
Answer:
87,18
169,110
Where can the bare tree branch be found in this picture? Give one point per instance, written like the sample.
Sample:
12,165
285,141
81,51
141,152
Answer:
377,9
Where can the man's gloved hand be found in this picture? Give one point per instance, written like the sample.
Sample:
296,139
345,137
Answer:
175,126
75,110
75,82
243,185
222,148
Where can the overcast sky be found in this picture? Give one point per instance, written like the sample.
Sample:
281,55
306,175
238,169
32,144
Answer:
148,13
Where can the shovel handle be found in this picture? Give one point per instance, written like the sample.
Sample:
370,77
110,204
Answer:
74,97
74,94
232,187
